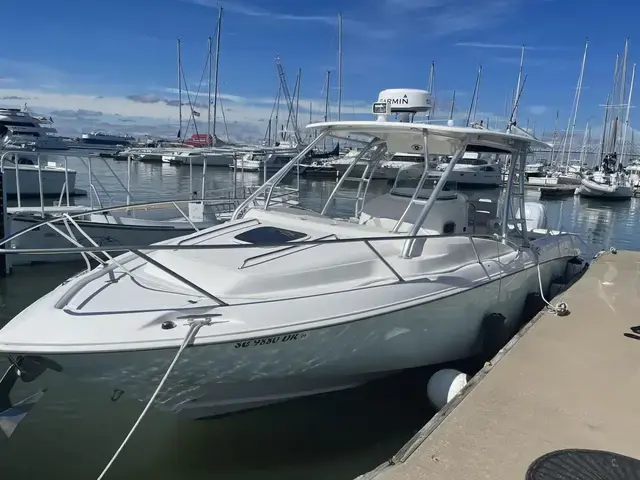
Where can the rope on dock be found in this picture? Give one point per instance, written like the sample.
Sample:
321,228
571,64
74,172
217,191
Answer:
194,327
560,309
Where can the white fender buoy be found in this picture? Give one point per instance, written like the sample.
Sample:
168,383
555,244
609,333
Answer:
444,385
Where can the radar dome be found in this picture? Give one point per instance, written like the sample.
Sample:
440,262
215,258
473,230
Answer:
406,101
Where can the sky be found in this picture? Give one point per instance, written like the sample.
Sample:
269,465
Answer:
113,66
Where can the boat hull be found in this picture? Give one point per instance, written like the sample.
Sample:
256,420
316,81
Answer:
553,181
226,377
219,160
591,189
53,181
103,233
381,173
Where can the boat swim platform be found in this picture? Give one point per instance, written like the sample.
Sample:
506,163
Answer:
563,382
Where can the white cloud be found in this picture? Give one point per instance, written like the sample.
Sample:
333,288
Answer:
41,99
74,113
507,46
351,26
446,17
490,45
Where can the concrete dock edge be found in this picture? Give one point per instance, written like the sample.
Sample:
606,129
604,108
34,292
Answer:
430,427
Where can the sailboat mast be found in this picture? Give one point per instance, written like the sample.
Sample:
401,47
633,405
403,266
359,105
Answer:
276,140
616,71
295,127
179,88
626,117
339,65
515,104
585,141
326,103
210,61
555,137
216,78
603,140
623,77
432,73
453,105
473,97
577,102
475,105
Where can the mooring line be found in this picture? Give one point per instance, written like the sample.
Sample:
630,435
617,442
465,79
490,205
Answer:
194,327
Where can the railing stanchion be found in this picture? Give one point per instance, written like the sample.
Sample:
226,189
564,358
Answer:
15,161
39,185
90,182
66,182
128,179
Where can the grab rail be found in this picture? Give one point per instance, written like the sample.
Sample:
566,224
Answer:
112,264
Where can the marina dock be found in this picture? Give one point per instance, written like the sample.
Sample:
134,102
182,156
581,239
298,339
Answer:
564,382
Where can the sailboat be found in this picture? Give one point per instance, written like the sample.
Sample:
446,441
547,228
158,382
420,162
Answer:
610,181
569,174
283,302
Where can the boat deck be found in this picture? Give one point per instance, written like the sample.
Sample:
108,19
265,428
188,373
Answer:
570,382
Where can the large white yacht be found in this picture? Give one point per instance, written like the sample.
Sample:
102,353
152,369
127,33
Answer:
282,301
104,140
28,172
19,130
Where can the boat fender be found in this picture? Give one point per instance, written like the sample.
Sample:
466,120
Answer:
533,304
493,334
444,385
558,285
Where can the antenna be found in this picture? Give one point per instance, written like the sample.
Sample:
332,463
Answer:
515,104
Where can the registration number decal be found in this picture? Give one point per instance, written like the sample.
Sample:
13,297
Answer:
258,342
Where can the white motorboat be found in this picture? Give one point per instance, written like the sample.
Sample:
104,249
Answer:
191,157
261,161
633,170
106,227
558,178
141,224
283,302
472,171
387,170
219,158
23,176
534,170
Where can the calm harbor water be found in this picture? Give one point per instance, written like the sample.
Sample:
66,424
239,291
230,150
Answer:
75,429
